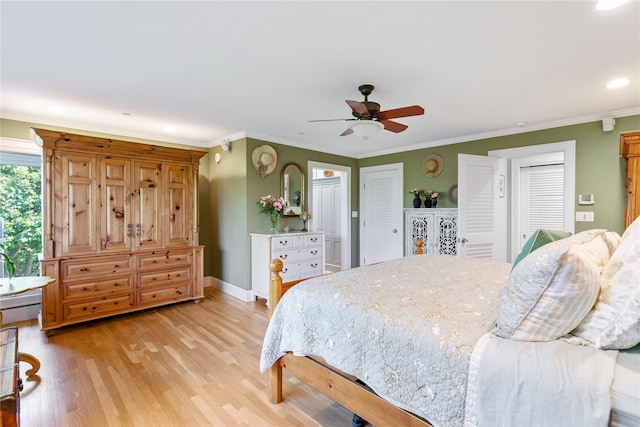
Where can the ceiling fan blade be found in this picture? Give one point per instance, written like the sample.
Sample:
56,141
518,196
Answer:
414,110
358,107
393,126
332,120
347,132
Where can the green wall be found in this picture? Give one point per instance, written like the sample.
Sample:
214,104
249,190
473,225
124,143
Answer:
599,168
230,189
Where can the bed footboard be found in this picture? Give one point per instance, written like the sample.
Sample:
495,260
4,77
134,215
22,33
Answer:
337,386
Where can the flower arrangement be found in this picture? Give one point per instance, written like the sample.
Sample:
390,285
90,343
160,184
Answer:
271,205
416,192
433,194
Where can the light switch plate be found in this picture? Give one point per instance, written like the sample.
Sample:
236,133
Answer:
585,216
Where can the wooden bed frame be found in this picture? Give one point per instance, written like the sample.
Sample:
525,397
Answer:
337,386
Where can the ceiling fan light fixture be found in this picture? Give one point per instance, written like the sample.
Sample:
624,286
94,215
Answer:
366,129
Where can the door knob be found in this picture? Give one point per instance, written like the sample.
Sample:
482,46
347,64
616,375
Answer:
395,230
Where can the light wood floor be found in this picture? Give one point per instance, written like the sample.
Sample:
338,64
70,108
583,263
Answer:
181,365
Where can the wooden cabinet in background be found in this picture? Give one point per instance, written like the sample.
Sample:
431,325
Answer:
630,149
120,227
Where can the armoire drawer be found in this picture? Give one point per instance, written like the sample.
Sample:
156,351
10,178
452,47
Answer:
81,269
98,307
173,258
158,296
163,278
98,288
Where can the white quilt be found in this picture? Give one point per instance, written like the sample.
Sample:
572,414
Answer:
405,327
556,384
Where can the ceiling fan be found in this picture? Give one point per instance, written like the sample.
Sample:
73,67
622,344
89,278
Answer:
369,119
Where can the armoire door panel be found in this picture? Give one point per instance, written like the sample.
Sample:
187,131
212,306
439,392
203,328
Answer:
179,205
147,199
116,230
78,210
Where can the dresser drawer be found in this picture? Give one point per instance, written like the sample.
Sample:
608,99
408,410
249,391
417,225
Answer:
158,296
99,288
81,269
282,242
313,240
98,307
161,279
157,260
301,269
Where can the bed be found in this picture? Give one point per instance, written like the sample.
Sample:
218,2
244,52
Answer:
447,341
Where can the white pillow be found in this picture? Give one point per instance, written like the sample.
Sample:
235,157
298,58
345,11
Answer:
614,322
550,291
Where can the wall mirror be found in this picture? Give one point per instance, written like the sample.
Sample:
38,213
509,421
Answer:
292,188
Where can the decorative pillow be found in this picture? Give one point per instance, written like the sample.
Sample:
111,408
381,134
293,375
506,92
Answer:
614,322
550,291
539,238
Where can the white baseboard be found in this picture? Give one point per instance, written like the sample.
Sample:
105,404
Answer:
245,295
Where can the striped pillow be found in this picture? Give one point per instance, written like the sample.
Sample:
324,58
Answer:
550,291
614,322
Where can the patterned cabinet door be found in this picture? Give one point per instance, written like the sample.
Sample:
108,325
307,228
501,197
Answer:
421,228
116,229
147,205
447,234
75,221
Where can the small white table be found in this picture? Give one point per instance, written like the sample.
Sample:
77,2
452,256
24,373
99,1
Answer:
18,285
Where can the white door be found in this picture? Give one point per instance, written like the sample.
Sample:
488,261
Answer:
541,201
381,213
482,206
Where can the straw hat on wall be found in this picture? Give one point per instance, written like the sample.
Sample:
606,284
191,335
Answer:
432,165
264,159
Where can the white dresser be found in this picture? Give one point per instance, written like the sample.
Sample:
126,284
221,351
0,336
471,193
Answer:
437,227
302,256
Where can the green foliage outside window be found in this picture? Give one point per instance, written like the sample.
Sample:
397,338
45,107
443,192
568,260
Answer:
20,211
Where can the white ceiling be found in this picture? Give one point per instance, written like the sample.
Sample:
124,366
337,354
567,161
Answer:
214,69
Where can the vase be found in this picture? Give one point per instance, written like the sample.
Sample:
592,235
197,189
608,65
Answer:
434,202
274,221
427,202
416,201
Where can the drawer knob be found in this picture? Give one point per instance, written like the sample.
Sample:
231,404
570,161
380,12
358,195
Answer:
314,252
314,265
283,242
85,289
84,269
178,292
115,303
284,256
284,270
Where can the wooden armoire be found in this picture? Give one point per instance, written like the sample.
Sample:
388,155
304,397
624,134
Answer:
120,227
630,149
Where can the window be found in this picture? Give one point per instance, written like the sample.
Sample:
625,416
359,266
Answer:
21,208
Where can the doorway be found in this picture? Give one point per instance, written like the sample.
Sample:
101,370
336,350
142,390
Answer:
329,203
559,177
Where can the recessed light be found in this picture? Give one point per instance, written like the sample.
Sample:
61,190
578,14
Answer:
520,124
126,114
169,129
57,109
616,83
609,4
